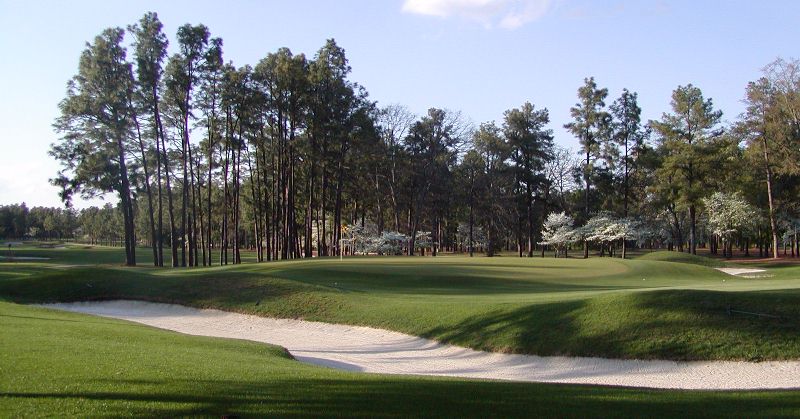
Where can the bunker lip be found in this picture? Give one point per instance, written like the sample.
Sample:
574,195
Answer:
356,348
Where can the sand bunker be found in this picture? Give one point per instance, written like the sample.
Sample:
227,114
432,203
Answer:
741,271
380,351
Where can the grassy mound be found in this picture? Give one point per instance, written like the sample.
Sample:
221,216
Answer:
64,364
603,307
681,257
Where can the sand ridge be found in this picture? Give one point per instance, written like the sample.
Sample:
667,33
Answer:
365,349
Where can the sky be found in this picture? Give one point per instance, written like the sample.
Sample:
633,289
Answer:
480,57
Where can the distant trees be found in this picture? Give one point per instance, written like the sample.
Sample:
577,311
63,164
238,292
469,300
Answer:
470,176
17,221
150,49
689,137
289,155
14,220
531,146
494,183
558,232
770,127
628,137
728,214
432,145
220,145
96,122
608,230
393,122
181,77
590,125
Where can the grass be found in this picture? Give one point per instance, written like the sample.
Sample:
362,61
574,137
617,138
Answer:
682,257
647,308
66,364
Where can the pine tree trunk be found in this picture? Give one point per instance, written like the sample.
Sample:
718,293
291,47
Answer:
223,245
127,207
471,216
210,158
310,209
193,213
692,230
772,223
148,191
170,200
237,161
531,241
184,194
586,178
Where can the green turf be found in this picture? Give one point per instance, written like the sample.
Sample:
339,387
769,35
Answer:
644,308
681,257
61,364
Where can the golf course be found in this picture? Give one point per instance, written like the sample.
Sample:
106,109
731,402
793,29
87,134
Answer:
657,306
410,208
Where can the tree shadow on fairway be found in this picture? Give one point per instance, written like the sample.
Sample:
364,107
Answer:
88,284
672,324
42,318
445,280
380,396
540,329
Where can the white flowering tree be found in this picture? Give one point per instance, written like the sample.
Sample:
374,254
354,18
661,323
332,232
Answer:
390,243
790,227
728,214
360,237
558,231
607,230
422,240
651,231
462,236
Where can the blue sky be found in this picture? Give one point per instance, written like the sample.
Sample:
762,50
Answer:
477,56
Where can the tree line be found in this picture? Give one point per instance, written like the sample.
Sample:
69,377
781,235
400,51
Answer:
291,158
91,225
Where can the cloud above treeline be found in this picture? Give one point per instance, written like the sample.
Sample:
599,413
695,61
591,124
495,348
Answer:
507,14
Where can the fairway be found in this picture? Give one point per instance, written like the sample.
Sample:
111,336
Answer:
365,349
646,308
634,309
66,364
400,209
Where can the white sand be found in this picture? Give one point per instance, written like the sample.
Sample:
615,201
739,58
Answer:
741,271
381,351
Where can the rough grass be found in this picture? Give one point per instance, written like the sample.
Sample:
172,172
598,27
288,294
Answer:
645,309
61,364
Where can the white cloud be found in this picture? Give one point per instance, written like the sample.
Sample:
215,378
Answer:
508,14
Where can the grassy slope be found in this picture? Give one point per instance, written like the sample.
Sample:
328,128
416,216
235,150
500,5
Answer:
680,257
595,307
66,364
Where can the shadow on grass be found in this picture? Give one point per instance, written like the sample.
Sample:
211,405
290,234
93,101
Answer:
403,397
449,280
672,324
97,283
663,324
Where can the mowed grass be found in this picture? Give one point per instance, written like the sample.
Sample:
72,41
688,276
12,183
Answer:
55,363
648,308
